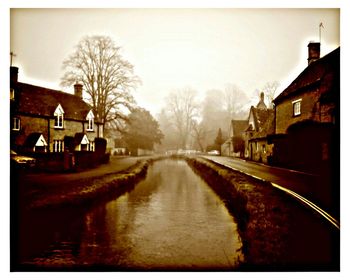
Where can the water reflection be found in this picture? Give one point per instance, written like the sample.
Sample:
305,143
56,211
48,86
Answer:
171,220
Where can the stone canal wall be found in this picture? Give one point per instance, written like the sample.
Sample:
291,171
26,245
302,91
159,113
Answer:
276,232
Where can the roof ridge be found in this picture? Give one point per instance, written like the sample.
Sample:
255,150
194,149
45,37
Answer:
312,67
50,89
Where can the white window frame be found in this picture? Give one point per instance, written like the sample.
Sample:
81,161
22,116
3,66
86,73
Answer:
59,117
296,107
92,146
16,124
90,125
58,146
90,119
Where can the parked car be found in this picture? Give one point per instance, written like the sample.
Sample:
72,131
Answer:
21,161
214,152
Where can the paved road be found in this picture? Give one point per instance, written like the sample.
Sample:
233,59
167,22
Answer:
318,190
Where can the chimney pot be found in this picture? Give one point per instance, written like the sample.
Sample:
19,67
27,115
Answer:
314,51
78,90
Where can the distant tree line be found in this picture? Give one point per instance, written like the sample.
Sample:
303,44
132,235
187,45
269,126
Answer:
188,123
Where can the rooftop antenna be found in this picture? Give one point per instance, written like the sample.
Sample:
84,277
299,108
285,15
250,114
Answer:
319,30
11,57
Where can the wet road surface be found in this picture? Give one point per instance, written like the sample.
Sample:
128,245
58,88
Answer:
320,191
170,221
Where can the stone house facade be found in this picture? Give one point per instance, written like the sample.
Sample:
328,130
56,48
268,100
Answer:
307,115
43,120
249,138
260,125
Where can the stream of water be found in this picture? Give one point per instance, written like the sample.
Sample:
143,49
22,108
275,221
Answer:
172,220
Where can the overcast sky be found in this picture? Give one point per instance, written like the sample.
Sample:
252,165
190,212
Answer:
173,48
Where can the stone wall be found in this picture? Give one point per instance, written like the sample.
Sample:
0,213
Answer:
309,110
45,126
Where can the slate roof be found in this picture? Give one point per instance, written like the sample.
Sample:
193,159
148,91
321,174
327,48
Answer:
264,122
324,71
39,101
261,116
238,126
266,125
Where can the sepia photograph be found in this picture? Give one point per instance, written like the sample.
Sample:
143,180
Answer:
174,139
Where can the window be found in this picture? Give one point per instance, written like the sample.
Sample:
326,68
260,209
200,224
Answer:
12,94
92,146
16,124
58,146
40,145
90,119
90,125
59,121
59,117
296,107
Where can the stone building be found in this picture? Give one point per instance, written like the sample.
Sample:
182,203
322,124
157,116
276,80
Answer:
249,137
260,125
50,121
307,115
234,145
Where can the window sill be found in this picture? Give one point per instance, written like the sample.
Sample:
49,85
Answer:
89,130
59,128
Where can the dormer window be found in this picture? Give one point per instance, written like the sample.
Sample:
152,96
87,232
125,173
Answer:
59,117
90,119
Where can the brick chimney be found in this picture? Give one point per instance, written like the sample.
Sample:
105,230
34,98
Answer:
13,75
78,90
314,52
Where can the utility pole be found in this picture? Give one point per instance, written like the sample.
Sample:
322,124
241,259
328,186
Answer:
11,57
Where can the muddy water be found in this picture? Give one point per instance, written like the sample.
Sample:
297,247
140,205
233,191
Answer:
171,220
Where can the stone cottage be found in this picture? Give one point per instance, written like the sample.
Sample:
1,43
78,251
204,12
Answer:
44,120
307,118
260,125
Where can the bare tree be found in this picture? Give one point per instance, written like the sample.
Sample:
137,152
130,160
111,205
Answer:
235,100
213,115
199,134
107,78
182,108
269,90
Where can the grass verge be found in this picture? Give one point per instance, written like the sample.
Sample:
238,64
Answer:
85,192
278,234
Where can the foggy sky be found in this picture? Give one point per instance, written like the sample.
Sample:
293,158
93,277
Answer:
173,48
